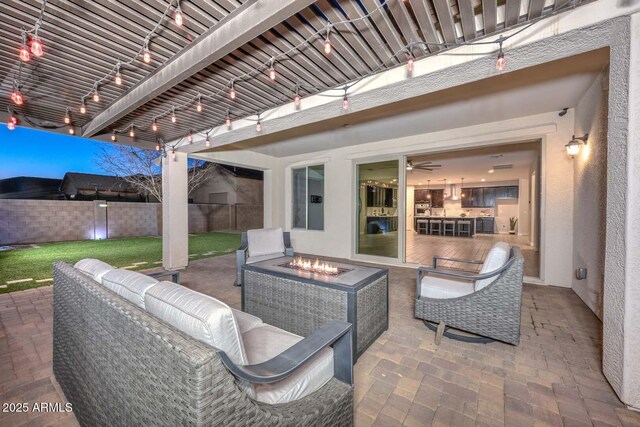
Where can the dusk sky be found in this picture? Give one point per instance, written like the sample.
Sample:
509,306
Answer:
28,152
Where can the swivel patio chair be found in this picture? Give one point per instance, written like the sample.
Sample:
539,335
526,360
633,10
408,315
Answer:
261,245
485,303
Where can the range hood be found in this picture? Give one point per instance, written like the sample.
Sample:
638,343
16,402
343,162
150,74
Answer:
453,195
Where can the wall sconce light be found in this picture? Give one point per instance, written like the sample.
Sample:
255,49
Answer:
573,147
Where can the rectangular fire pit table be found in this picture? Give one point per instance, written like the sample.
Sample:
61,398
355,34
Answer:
302,301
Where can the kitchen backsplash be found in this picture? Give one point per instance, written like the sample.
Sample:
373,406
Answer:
454,209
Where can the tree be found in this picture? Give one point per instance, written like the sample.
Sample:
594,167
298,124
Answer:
141,169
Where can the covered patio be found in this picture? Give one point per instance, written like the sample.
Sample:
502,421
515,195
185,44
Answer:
553,378
312,93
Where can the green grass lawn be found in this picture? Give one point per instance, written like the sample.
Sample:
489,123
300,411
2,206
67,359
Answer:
35,263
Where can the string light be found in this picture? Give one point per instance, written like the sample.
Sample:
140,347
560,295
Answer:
71,130
36,45
173,115
146,54
232,91
178,15
132,134
345,100
12,122
190,137
327,40
259,125
67,118
113,136
500,62
173,154
296,98
83,107
207,141
157,146
25,56
154,126
227,120
410,59
272,70
118,78
199,104
16,95
96,95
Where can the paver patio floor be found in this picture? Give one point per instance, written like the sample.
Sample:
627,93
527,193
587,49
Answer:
553,378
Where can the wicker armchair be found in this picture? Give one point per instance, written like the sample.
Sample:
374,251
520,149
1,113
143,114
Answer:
121,366
492,311
278,244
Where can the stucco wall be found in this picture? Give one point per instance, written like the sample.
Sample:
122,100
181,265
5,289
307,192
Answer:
590,194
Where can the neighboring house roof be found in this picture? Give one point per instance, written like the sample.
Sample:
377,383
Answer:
75,181
29,187
243,172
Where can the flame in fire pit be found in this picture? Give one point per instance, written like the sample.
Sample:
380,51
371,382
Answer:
316,267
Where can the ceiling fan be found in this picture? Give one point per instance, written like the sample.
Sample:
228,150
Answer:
424,166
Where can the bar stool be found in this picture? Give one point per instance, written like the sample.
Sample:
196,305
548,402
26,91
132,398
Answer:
435,225
423,225
464,226
449,225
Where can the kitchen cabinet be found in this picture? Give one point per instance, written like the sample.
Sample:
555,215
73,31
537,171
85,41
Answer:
437,198
485,225
485,197
381,197
489,197
508,192
390,197
421,195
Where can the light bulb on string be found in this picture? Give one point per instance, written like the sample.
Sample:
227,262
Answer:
207,141
146,54
173,154
173,116
118,77
327,41
157,146
96,95
410,60
113,136
154,125
199,105
190,137
259,125
67,118
132,134
71,130
227,120
345,101
232,91
178,18
12,122
25,56
36,45
83,107
272,70
501,61
16,96
296,97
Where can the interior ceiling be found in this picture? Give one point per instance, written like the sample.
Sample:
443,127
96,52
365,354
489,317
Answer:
474,165
84,39
535,90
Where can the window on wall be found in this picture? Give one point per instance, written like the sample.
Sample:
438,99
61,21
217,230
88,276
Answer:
308,198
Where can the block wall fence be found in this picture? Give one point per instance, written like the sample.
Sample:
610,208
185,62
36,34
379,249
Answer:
41,221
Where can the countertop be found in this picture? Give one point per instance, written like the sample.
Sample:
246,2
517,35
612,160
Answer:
449,217
382,216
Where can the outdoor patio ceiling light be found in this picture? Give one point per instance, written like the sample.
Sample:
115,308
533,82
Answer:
118,77
232,91
16,95
113,136
71,130
409,165
173,115
178,16
199,104
207,141
146,54
157,146
12,122
259,125
25,56
96,95
36,45
272,70
173,154
411,58
190,137
132,134
500,62
67,118
227,120
573,147
327,40
345,100
154,125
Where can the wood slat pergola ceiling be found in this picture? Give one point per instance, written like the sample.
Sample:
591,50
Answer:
84,39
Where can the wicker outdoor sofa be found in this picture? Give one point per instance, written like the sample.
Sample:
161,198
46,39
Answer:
121,366
487,303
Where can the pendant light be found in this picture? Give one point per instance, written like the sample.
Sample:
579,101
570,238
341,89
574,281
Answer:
461,187
429,189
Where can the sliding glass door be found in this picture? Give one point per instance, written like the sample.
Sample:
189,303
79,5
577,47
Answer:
377,209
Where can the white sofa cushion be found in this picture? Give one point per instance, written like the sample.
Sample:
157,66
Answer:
198,315
93,268
265,241
129,284
265,342
246,321
440,287
498,255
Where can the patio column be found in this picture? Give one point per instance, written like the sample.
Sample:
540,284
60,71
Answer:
175,218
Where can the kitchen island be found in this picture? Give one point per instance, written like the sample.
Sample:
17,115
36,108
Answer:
471,219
